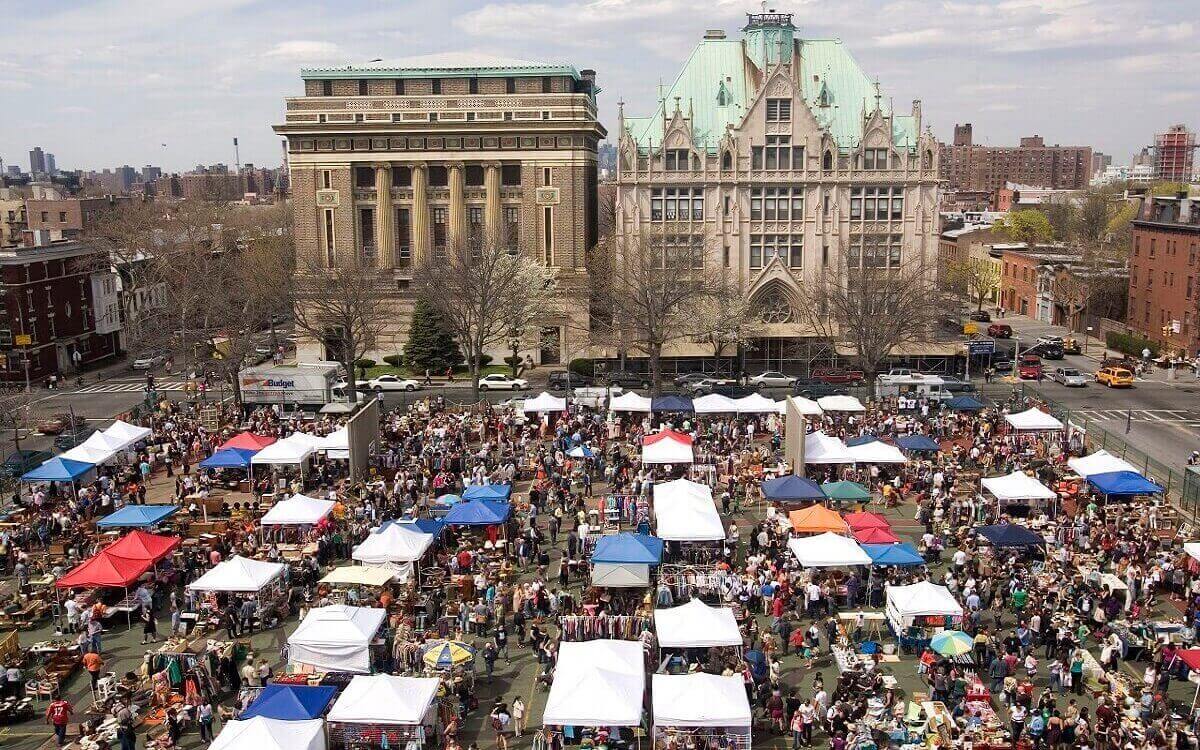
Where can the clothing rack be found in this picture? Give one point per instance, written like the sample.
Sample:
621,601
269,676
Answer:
593,627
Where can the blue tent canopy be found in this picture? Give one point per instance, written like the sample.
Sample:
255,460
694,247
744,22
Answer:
628,548
447,500
917,443
137,516
500,492
861,440
1010,535
229,458
1123,483
671,403
291,702
433,526
478,513
964,403
893,554
791,488
58,469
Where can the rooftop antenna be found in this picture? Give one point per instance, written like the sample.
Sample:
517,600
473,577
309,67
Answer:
237,157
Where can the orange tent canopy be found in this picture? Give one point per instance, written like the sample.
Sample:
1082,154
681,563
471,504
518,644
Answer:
817,519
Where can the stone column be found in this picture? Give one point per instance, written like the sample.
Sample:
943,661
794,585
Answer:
492,216
420,214
458,206
385,216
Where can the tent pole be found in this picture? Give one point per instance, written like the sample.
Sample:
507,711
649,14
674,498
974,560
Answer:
128,614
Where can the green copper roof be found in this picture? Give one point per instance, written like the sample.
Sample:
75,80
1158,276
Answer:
715,63
447,64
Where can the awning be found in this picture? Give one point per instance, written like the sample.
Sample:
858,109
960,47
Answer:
293,449
918,444
393,543
57,469
229,458
820,448
628,547
297,510
1033,420
756,403
696,625
597,684
88,455
714,403
700,700
103,570
1010,535
876,452
261,733
543,403
126,433
1017,486
385,699
249,441
478,513
496,492
336,638
1124,483
360,575
893,554
239,574
792,489
684,511
1100,462
138,545
816,519
630,402
667,447
827,550
291,702
840,403
923,599
137,516
671,403
874,535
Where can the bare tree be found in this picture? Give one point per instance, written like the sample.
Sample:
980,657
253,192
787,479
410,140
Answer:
485,294
873,310
977,279
131,235
15,412
724,317
646,289
341,306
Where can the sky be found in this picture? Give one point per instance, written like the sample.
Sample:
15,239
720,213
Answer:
101,83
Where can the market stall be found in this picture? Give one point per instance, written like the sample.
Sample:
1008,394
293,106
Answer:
337,638
756,403
294,450
671,403
918,444
624,560
58,469
806,406
902,554
700,710
846,492
127,434
248,441
241,575
696,625
817,519
1017,488
820,448
598,683
1122,484
261,733
336,445
137,517
840,403
792,489
291,702
1010,536
918,611
544,403
298,510
630,402
1032,420
876,452
393,543
385,711
684,511
828,550
1100,462
499,493
964,403
714,403
667,447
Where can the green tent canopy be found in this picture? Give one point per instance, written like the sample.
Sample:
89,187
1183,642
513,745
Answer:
852,491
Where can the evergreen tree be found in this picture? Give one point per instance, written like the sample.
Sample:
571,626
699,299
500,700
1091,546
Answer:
430,346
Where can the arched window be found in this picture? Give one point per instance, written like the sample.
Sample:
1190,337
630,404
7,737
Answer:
727,161
827,160
771,305
927,159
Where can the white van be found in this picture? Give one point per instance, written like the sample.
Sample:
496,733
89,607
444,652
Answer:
914,386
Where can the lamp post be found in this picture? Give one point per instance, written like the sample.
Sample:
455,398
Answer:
514,344
1087,336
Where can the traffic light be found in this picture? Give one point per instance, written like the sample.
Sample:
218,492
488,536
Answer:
1166,331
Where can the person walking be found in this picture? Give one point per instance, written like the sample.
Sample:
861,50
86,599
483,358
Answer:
518,716
204,717
93,663
58,715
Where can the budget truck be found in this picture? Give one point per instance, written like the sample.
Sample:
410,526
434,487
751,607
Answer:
291,386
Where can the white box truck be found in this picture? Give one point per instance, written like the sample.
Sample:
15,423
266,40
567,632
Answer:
294,385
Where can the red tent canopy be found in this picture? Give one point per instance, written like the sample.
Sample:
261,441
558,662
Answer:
678,437
874,535
1190,657
247,441
104,570
140,546
863,520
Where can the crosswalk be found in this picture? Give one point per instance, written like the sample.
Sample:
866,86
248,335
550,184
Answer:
161,385
1187,417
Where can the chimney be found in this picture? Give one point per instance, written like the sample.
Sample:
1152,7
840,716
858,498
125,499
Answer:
714,34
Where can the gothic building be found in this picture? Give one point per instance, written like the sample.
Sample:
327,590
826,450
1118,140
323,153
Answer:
774,158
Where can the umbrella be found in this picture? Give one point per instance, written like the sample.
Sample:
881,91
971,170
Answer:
952,643
580,451
446,654
852,491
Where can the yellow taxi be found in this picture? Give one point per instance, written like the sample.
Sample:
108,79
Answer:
1114,377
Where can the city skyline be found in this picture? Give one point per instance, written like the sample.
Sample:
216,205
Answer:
1083,72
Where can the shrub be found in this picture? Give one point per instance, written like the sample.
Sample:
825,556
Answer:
585,367
395,360
1130,343
485,360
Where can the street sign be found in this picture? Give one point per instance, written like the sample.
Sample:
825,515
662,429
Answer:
980,347
970,329
22,339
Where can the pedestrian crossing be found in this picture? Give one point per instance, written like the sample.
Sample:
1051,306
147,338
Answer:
1188,417
135,387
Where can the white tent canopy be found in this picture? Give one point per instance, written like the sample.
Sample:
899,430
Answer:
756,403
876,452
543,403
293,449
1100,462
806,406
297,510
1017,486
921,599
840,403
684,511
261,733
337,444
714,403
1193,550
127,433
94,456
828,550
394,543
336,638
239,574
700,700
621,575
385,699
630,401
597,684
1033,419
667,450
820,448
696,625
360,575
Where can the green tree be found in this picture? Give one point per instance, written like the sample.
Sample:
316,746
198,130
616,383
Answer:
430,346
1029,226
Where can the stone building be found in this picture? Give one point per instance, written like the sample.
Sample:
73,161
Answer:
392,161
777,157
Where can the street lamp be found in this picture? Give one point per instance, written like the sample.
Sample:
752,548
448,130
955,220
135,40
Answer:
1085,339
514,344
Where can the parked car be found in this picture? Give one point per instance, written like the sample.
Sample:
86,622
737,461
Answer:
498,382
1000,331
1002,363
19,462
697,387
69,439
149,360
55,424
559,380
980,316
628,379
1029,367
1069,376
1114,377
1046,350
838,375
957,385
772,379
1049,340
811,388
733,391
683,381
392,383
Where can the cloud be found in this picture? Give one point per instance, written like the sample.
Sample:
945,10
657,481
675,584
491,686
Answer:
916,38
999,107
10,84
304,50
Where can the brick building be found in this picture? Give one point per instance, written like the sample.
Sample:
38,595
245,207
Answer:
1055,284
1164,273
69,218
971,243
12,217
57,310
392,161
967,166
1174,154
211,186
